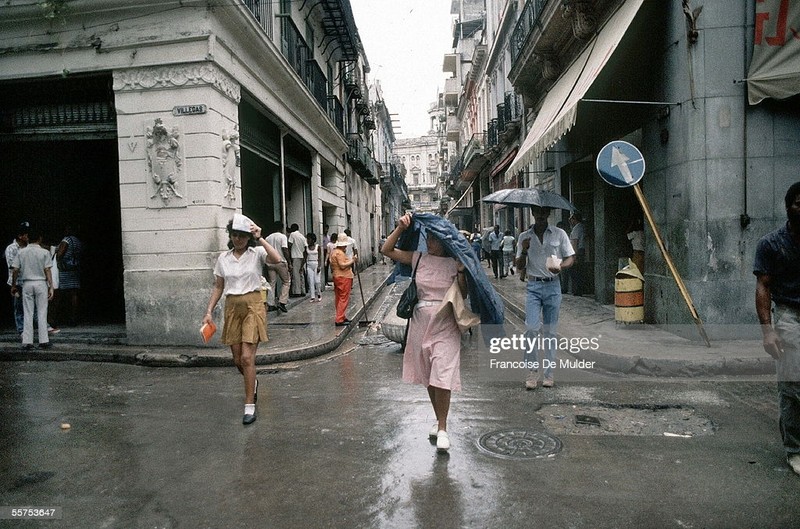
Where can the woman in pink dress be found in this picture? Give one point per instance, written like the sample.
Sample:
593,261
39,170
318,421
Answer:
433,348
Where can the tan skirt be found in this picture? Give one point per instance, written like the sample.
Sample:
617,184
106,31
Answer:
245,319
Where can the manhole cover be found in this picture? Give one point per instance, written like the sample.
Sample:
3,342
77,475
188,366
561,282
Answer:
518,443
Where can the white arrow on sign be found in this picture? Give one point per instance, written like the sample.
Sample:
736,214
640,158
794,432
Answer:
618,159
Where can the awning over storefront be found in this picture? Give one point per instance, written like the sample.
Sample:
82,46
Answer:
775,66
559,110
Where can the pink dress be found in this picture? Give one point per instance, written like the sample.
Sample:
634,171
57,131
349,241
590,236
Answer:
432,355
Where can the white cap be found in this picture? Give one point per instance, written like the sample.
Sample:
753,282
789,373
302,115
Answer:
241,223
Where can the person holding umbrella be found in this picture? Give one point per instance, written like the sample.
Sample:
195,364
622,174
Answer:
543,252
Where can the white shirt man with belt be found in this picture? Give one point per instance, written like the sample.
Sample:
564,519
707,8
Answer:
543,300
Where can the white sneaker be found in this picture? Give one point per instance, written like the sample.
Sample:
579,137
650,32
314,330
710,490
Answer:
794,462
442,442
434,431
532,382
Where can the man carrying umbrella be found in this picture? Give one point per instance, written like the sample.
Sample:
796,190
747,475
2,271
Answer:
543,251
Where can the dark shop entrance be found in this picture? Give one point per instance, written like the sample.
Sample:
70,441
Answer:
59,168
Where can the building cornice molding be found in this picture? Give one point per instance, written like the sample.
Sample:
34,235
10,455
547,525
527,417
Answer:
177,76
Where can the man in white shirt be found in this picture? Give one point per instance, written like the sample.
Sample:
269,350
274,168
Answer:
351,249
32,266
12,250
297,251
496,240
543,251
278,240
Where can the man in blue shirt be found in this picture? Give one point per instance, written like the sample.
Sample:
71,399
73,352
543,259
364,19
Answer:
777,268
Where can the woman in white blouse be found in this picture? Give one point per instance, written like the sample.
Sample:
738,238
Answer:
237,276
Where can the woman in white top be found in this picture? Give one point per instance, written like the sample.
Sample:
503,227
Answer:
312,269
237,276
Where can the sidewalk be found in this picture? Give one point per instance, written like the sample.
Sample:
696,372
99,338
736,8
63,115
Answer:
306,331
643,349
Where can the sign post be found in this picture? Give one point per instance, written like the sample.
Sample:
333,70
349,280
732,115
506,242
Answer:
620,164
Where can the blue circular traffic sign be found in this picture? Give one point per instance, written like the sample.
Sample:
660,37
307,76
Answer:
620,164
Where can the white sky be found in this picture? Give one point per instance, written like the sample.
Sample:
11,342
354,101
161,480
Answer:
405,42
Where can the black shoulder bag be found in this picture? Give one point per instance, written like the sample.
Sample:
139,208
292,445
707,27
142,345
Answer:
409,299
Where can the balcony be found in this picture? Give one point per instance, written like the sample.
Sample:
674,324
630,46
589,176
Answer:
336,113
360,158
316,83
262,11
450,64
293,46
548,35
514,110
351,82
453,128
491,134
452,90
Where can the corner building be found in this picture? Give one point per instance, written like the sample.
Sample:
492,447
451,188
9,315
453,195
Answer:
150,126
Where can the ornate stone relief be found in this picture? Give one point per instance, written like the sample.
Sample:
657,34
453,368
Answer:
584,21
230,161
165,166
550,65
177,76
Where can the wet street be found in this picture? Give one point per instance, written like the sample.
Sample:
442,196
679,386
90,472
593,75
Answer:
340,441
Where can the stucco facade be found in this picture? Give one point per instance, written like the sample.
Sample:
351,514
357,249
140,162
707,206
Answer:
217,109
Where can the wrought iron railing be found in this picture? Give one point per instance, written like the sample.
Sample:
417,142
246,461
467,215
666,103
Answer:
293,46
525,24
316,83
336,113
262,11
513,107
491,133
501,118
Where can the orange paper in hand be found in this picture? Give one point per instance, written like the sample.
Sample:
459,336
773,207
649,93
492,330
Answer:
207,331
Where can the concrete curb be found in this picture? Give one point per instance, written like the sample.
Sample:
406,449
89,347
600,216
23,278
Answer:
663,367
180,356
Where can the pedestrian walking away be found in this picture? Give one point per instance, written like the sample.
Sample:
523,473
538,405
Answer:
280,270
342,269
237,277
577,237
496,253
313,270
32,267
542,252
432,355
508,246
777,270
297,248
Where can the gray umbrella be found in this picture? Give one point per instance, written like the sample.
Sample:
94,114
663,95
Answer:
529,196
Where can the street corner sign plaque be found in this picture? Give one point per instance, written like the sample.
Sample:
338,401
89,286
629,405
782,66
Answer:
189,110
620,164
